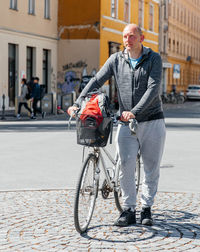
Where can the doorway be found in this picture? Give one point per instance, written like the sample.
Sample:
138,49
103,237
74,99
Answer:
113,47
12,74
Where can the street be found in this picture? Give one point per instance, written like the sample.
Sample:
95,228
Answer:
40,162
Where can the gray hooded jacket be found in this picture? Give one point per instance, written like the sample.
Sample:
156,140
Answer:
138,89
24,92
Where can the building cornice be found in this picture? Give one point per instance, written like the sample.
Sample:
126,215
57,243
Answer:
115,20
6,29
151,32
121,33
112,30
124,23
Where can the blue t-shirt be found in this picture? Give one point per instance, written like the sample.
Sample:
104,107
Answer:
134,61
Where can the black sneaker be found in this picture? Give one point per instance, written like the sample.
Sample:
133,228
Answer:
146,216
126,218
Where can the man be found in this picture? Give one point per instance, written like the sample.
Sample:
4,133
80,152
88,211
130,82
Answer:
137,71
23,99
36,95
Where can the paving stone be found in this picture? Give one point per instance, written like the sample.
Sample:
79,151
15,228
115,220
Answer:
43,221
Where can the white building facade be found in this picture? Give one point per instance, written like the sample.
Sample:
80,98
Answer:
28,45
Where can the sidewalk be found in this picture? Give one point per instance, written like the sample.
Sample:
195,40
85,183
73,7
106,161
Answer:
43,221
11,117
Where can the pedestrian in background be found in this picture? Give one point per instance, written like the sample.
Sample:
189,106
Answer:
23,99
36,98
30,85
137,71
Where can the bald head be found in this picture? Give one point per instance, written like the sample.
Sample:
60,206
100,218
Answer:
132,39
133,27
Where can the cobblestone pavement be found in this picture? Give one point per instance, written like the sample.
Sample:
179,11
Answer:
43,221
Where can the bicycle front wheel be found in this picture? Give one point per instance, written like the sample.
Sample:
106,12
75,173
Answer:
86,194
118,192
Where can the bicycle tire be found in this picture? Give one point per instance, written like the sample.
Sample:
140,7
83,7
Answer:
117,193
180,99
87,188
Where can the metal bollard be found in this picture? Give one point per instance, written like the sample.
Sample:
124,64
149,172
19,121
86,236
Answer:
3,107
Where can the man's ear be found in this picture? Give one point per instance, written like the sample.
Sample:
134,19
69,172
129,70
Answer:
142,38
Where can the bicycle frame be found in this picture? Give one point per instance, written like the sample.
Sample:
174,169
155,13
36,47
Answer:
115,163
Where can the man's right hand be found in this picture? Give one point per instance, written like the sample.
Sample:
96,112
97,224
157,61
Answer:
71,110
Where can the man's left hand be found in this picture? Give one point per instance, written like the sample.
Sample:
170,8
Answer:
126,116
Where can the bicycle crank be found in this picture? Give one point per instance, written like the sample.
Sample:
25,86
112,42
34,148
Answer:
105,190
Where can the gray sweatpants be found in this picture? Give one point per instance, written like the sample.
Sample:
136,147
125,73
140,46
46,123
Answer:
150,139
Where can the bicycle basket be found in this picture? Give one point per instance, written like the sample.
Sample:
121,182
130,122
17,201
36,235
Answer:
92,133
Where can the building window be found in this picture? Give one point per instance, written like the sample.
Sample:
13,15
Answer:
126,11
184,15
140,13
169,44
31,7
114,8
184,49
173,46
192,22
165,11
165,44
151,10
181,19
178,14
169,9
29,63
47,9
174,10
177,47
195,23
13,4
45,69
188,19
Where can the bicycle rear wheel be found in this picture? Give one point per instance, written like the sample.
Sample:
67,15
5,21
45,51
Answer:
86,194
180,99
118,193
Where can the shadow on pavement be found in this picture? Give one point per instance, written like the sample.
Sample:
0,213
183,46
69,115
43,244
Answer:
167,224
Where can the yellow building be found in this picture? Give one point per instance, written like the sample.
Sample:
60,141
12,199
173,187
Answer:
89,31
184,43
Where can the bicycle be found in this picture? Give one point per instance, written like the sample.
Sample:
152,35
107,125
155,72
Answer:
87,188
174,98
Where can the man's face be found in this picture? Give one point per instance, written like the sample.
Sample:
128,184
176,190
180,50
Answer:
132,38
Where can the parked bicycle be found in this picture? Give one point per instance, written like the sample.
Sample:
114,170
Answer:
87,189
174,98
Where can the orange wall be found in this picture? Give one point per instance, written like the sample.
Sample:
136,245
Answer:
83,15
